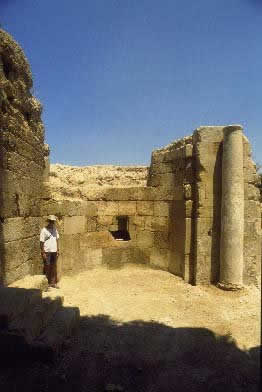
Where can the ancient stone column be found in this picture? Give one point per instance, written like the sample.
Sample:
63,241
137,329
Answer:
232,212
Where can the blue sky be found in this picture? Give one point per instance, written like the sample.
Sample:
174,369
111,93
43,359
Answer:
119,78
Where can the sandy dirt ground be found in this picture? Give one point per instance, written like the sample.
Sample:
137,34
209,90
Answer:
145,330
139,293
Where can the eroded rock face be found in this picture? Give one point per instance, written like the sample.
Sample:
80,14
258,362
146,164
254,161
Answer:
21,163
72,181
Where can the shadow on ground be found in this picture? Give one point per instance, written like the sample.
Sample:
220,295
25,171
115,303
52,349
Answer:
141,357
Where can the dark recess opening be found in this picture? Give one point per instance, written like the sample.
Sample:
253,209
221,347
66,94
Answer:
27,116
7,69
122,232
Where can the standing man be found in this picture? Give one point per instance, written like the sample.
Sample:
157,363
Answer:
50,250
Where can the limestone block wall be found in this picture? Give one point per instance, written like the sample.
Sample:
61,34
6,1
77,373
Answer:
174,222
21,165
86,225
192,169
208,152
208,149
173,169
252,219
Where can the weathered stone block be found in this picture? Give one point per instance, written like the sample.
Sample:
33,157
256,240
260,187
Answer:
160,168
154,180
252,209
159,258
145,208
88,208
208,134
252,270
168,180
188,151
156,223
253,227
246,147
204,229
68,208
205,212
251,192
161,208
102,239
17,228
207,154
92,258
112,257
74,224
91,223
145,239
31,282
141,255
120,194
17,273
157,156
132,232
174,155
161,240
204,245
107,208
21,251
138,220
127,208
105,220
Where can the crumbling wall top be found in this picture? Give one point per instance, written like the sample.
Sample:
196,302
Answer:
14,61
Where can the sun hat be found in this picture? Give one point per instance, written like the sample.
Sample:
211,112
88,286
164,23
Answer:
51,218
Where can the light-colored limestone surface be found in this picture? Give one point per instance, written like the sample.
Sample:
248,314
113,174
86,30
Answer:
232,213
63,178
174,222
21,165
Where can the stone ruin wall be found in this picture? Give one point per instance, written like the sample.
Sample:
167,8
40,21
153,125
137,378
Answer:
174,221
86,241
208,151
173,207
192,167
21,164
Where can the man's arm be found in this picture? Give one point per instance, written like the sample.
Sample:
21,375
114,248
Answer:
57,241
42,250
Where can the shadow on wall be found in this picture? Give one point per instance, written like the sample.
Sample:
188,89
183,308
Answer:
105,355
216,229
2,249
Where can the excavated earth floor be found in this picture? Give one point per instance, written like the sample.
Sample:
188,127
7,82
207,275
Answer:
148,295
146,330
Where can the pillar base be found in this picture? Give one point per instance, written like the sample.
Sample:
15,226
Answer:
230,286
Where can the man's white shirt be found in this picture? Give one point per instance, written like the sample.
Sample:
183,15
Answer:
49,237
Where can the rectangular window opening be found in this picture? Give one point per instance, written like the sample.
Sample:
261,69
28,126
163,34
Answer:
121,234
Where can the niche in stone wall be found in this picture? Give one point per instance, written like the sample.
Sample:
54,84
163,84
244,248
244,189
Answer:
122,233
